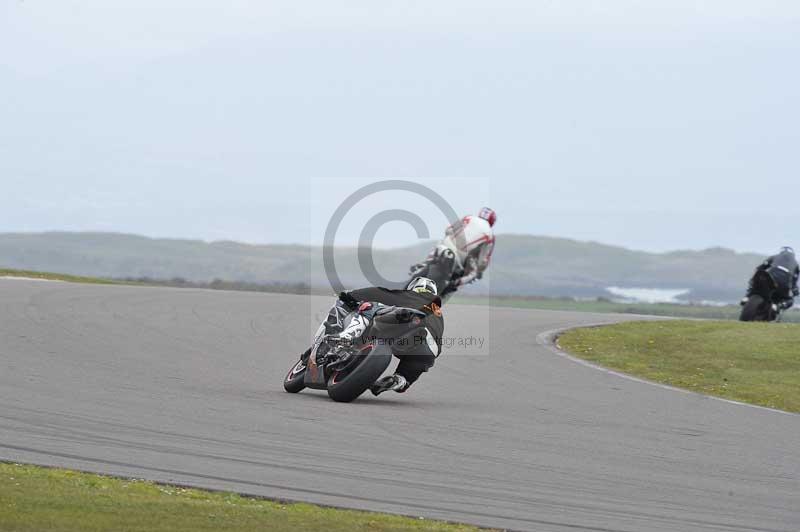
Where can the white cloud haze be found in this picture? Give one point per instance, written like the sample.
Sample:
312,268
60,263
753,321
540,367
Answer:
651,125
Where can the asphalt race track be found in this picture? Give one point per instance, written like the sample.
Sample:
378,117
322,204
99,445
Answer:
185,386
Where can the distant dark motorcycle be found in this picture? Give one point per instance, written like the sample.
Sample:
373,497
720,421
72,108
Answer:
442,268
760,305
348,370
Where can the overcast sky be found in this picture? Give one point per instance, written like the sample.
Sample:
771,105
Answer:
654,125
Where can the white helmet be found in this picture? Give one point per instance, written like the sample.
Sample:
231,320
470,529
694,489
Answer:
422,285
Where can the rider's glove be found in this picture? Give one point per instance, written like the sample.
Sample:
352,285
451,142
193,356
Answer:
349,301
470,280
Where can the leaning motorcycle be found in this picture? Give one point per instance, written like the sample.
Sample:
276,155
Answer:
759,306
348,369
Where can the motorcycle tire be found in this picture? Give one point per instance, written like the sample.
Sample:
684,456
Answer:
753,309
294,381
346,386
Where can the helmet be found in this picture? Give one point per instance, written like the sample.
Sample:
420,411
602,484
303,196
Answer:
422,285
787,249
489,215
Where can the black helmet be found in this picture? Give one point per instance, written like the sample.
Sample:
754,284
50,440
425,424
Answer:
787,249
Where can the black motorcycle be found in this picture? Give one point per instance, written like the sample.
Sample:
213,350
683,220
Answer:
760,305
348,369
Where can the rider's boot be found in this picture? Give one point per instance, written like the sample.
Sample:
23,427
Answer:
340,342
357,327
394,382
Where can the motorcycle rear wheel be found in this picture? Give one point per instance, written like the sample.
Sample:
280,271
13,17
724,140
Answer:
346,386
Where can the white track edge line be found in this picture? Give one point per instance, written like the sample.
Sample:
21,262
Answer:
547,339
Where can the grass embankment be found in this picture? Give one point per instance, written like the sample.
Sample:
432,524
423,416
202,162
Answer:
177,282
36,498
757,363
54,276
727,312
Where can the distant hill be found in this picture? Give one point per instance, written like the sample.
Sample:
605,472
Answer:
522,264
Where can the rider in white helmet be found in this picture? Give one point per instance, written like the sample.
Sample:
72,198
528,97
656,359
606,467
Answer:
463,255
471,241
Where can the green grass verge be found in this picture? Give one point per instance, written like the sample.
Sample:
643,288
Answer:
728,312
37,498
757,363
54,276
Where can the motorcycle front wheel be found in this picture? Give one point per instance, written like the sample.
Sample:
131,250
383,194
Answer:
294,381
753,310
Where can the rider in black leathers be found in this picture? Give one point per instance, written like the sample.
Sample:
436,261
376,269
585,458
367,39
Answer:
784,269
417,356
